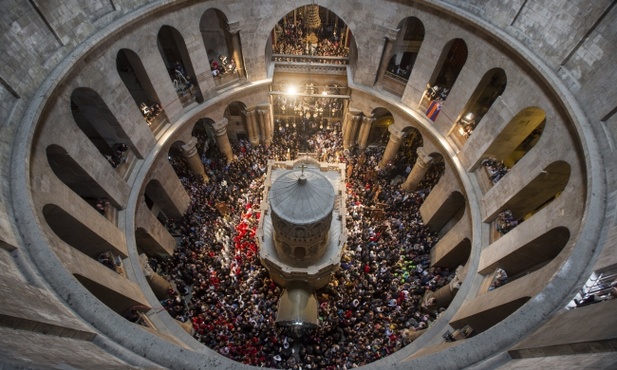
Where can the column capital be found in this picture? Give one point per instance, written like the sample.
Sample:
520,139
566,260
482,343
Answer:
190,148
396,136
354,111
249,112
233,27
220,128
423,158
392,34
368,119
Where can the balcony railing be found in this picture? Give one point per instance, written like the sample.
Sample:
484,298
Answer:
310,64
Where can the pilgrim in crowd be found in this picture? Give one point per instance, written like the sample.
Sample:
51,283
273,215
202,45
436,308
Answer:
506,222
373,302
496,169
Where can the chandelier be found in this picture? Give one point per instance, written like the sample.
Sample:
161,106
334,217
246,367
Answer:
309,103
313,21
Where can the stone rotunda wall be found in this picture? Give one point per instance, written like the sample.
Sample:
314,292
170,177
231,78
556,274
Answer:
556,57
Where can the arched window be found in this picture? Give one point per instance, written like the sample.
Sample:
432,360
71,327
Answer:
160,203
178,63
310,33
450,64
94,118
536,195
79,236
408,152
204,133
490,87
448,214
236,126
78,180
137,82
405,49
224,60
379,134
178,162
518,137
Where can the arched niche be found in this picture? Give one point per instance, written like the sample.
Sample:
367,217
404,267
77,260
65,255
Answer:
536,195
160,203
457,256
219,45
204,133
178,162
434,173
518,137
379,133
111,298
177,60
408,152
148,244
76,178
485,319
490,87
448,214
99,124
215,34
236,125
311,33
406,48
450,63
137,82
74,233
532,255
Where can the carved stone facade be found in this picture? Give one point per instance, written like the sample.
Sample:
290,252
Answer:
302,231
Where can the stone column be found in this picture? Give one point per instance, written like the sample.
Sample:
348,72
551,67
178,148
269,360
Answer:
265,124
389,40
351,127
234,31
222,141
365,130
394,143
160,287
443,296
189,151
417,172
251,126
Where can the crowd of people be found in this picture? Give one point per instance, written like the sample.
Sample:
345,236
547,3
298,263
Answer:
496,169
150,112
506,222
373,302
118,155
181,80
501,278
292,39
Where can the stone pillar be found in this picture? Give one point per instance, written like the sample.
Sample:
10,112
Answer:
389,40
251,126
417,172
265,125
189,151
365,130
234,30
443,296
394,143
160,287
349,133
222,141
